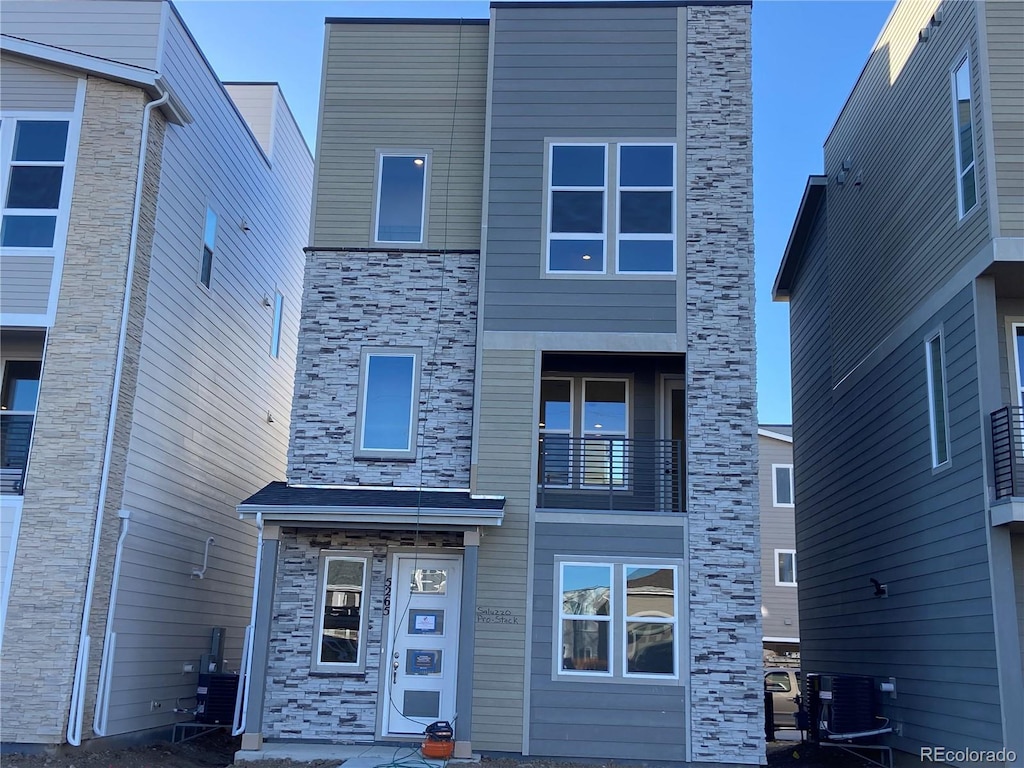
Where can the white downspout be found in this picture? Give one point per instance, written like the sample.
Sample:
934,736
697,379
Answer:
77,712
99,719
242,699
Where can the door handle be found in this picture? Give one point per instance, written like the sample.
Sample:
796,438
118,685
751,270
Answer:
394,673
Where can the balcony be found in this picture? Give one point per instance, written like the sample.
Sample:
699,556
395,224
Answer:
15,434
1008,451
615,474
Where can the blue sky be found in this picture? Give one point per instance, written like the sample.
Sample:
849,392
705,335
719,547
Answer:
807,56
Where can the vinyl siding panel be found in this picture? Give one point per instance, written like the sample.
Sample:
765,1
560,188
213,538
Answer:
26,283
593,718
869,505
126,32
887,232
1017,550
570,73
778,531
1004,22
258,105
200,439
506,445
401,87
29,86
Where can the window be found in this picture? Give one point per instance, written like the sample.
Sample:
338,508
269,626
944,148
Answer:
580,207
35,194
20,386
617,620
275,333
401,197
782,485
938,422
209,243
967,189
785,567
340,640
1018,341
389,399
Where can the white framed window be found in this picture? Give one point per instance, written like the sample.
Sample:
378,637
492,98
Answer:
388,403
339,640
1018,356
646,210
611,208
209,246
400,208
963,124
617,620
604,425
782,485
275,331
556,429
785,567
37,181
938,411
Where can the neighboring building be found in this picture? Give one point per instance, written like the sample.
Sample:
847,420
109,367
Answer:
152,265
531,260
779,609
905,280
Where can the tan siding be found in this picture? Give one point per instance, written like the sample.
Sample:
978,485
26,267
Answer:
778,531
1005,30
25,287
506,446
28,86
125,32
376,76
885,234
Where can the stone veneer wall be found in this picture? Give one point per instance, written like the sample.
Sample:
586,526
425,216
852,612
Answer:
62,486
353,300
339,708
726,719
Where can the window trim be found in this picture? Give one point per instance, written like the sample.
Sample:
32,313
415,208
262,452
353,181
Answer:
618,619
206,274
408,454
609,620
335,667
378,183
659,237
550,196
1017,329
964,59
930,372
778,569
775,486
275,328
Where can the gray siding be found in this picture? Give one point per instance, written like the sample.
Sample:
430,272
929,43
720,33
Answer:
588,718
571,73
1004,22
869,505
126,32
885,233
778,531
258,104
1017,546
26,284
200,440
398,86
505,444
30,86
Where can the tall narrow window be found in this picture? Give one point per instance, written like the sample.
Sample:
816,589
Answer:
32,198
555,465
782,485
646,208
605,427
937,407
785,567
586,617
339,644
576,208
1018,338
275,333
650,642
209,244
388,404
967,189
401,198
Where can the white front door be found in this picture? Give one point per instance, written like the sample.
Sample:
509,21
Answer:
423,642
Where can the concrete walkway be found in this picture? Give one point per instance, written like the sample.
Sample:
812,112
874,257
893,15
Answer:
351,755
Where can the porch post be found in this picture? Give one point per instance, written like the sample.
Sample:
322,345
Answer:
467,639
252,738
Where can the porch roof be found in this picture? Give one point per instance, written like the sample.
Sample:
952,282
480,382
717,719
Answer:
372,507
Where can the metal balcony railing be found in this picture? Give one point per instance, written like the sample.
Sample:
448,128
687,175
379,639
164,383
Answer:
1008,451
15,434
610,473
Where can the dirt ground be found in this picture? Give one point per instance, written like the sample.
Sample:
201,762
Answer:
216,751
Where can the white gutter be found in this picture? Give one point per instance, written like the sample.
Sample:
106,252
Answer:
74,733
242,698
99,719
